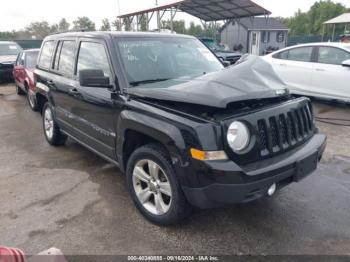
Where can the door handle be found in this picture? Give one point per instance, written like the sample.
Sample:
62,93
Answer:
283,64
320,69
50,82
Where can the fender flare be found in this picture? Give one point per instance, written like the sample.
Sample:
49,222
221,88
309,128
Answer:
164,132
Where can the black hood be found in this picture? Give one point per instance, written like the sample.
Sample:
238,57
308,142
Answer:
252,79
225,54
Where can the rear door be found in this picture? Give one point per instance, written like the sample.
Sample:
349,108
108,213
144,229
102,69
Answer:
19,70
330,78
93,109
62,84
295,66
16,68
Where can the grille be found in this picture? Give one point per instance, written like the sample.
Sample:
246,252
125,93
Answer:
282,131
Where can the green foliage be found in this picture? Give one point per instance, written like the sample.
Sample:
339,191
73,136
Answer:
311,22
117,25
143,23
106,26
84,23
127,24
63,25
39,30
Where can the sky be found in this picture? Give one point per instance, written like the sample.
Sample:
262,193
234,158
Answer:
23,12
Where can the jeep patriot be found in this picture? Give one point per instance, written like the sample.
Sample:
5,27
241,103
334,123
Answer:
186,130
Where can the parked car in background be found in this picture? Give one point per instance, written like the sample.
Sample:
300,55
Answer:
220,51
8,54
318,70
185,130
23,73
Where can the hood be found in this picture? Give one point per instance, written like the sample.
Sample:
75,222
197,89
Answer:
227,53
252,79
8,59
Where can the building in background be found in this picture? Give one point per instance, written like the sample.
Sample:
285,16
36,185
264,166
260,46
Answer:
256,35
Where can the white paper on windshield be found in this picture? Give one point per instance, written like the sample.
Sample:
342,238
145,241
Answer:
13,47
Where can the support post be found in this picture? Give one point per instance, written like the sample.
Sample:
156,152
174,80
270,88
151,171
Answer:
323,32
171,20
158,18
333,33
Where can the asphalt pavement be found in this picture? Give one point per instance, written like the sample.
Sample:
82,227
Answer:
71,199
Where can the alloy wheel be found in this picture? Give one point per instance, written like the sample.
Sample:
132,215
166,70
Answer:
152,187
48,123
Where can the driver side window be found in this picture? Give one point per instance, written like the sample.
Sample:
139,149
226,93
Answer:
93,55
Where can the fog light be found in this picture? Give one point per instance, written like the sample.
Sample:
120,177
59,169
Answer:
272,189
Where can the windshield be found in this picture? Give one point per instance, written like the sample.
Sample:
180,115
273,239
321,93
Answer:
155,59
213,45
31,59
9,49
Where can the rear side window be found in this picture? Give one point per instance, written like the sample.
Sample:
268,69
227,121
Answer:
46,54
302,54
31,59
65,63
93,56
331,55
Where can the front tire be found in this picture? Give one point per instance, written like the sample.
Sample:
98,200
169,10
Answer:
19,91
52,132
154,187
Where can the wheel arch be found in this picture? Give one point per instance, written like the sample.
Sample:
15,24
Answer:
137,129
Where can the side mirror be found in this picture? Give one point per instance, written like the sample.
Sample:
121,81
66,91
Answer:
346,63
225,63
93,78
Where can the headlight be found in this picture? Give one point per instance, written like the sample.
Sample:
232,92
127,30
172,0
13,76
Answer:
238,136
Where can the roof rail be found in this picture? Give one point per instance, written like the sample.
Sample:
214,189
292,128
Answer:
70,31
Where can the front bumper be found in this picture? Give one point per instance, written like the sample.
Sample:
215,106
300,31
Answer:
292,167
6,73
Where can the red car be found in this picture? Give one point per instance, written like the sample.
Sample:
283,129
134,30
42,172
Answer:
23,73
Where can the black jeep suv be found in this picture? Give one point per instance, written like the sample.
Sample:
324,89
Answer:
186,130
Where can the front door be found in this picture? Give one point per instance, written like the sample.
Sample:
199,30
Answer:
93,110
254,43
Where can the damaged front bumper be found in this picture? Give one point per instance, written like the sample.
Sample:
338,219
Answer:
254,180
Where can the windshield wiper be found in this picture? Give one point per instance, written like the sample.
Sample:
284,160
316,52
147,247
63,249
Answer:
148,81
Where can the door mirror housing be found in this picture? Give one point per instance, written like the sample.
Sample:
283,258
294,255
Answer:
93,78
225,63
346,63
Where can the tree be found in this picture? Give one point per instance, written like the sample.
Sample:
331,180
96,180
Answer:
143,23
38,30
127,24
195,30
311,22
178,26
117,24
106,26
63,25
84,23
54,28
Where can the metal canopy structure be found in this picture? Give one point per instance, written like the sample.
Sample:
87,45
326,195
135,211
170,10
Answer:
205,10
342,19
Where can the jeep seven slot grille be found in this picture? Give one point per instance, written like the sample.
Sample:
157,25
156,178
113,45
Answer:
279,132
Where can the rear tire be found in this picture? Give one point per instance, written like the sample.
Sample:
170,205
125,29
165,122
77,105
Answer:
157,194
33,104
52,132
